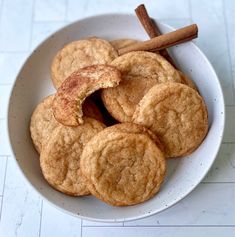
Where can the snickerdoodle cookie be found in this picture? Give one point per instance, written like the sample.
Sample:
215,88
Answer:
68,100
123,168
60,157
140,71
43,123
138,129
80,54
177,114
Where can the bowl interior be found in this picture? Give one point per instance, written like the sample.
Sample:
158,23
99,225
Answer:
33,84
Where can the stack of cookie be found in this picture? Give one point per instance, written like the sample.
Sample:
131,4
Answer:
159,115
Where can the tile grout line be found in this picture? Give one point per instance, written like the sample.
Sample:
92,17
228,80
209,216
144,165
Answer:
50,21
81,228
66,10
190,11
228,48
14,52
5,174
40,223
1,9
70,21
6,84
31,27
154,226
225,182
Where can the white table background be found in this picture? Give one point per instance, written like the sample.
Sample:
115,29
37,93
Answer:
209,210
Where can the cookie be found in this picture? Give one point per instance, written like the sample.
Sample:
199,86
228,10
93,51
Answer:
68,100
43,122
79,54
177,114
60,157
122,168
140,71
137,129
121,43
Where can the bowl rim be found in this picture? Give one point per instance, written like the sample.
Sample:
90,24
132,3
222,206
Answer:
140,216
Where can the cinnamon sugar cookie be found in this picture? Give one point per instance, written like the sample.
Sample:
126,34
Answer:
177,114
140,71
79,54
122,168
43,122
60,157
67,103
137,129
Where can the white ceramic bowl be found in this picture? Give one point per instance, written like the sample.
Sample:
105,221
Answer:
33,83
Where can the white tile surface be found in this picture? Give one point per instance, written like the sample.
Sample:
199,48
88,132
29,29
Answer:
229,9
3,162
4,96
50,10
5,146
223,170
199,208
165,9
56,223
93,223
10,64
15,25
0,207
160,9
76,9
41,30
212,40
20,206
207,211
158,231
229,133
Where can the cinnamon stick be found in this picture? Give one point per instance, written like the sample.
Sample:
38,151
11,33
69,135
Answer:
163,41
151,29
146,21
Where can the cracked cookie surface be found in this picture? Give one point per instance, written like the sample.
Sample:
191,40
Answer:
68,100
79,54
60,157
43,123
177,114
123,168
140,71
137,129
